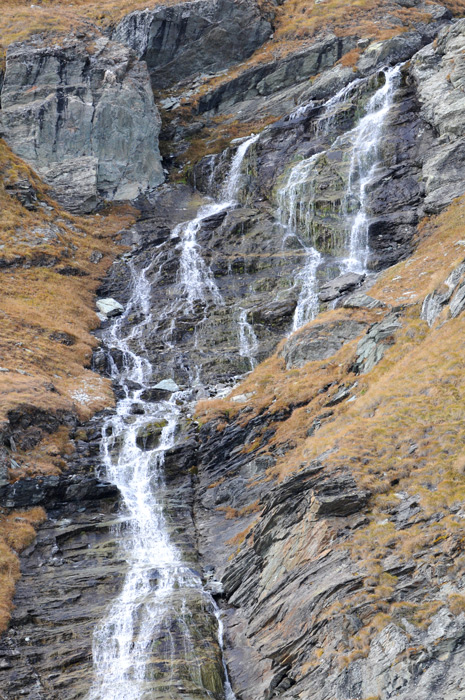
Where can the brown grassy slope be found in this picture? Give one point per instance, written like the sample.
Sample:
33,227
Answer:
47,297
20,19
47,314
403,433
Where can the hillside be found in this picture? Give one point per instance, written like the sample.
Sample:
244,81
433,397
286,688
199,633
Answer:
259,422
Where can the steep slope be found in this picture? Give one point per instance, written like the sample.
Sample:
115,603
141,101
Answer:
338,492
320,501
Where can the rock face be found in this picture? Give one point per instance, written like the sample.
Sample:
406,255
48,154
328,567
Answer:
193,37
319,341
276,550
439,75
69,574
83,116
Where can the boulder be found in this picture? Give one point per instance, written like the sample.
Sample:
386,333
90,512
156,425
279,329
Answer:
109,307
82,114
167,385
344,283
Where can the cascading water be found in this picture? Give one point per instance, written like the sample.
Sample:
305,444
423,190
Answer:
296,203
296,197
145,646
364,161
248,341
196,282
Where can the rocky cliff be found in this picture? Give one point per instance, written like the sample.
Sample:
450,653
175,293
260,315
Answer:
282,332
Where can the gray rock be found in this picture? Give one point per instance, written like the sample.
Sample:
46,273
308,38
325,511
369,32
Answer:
193,37
373,345
319,341
439,73
362,301
83,116
434,302
109,307
431,308
457,304
167,385
4,466
344,283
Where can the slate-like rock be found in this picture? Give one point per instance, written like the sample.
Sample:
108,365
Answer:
191,38
319,341
373,345
83,116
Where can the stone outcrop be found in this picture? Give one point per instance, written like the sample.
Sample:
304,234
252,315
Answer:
185,39
319,341
438,72
83,115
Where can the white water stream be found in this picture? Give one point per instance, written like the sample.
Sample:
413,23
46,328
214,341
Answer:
296,197
136,646
364,161
296,206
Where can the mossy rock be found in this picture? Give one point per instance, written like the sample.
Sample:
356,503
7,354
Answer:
148,436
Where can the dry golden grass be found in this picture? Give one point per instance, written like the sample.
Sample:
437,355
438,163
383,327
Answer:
17,531
48,314
21,19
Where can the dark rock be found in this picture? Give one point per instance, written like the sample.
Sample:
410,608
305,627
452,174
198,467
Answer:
345,283
188,39
319,341
148,436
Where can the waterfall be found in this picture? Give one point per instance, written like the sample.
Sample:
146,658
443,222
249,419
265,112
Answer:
248,341
296,207
364,161
330,108
196,281
296,198
136,646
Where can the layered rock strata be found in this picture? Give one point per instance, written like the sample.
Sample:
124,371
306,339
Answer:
82,114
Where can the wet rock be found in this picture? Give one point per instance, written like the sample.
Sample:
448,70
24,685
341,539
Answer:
319,341
148,436
345,283
83,115
275,313
190,38
373,345
153,395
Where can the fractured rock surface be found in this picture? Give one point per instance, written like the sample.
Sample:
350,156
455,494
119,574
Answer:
83,116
